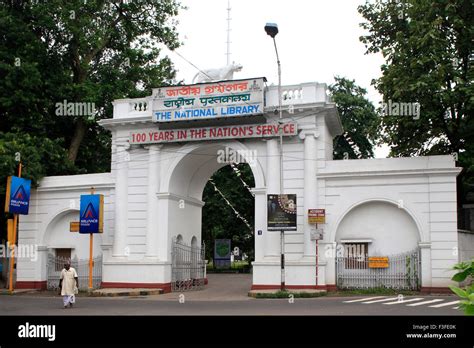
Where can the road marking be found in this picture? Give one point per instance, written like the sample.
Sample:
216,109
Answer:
455,307
424,302
382,300
405,301
364,299
445,304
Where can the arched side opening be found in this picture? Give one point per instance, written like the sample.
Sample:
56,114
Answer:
63,245
194,242
369,221
377,246
60,241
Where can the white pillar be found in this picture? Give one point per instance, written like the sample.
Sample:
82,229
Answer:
310,186
272,238
260,222
121,201
164,242
426,279
327,260
273,166
154,157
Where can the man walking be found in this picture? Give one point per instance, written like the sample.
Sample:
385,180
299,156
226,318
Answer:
68,285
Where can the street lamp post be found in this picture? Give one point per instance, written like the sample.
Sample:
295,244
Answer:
272,30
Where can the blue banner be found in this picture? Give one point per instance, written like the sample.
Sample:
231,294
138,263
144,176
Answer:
91,214
18,195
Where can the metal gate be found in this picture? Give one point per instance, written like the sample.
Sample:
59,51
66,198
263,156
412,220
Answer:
403,272
188,267
56,264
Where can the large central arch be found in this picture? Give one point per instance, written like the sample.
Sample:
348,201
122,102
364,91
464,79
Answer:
195,163
183,185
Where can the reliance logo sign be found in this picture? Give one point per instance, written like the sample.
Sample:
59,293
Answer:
92,214
17,200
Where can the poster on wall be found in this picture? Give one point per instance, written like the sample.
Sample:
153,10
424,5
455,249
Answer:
222,253
281,212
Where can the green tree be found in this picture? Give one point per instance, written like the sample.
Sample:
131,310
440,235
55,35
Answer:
81,52
427,46
359,120
219,220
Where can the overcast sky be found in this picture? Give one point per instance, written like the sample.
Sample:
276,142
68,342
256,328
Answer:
318,39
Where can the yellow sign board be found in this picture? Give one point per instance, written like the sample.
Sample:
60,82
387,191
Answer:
316,216
378,262
74,226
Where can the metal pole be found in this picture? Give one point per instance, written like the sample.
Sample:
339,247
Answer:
91,262
12,255
280,113
228,32
317,262
91,252
282,246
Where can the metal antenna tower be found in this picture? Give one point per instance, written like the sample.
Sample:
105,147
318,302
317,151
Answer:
228,32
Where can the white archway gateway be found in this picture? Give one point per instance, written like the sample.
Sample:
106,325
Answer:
165,147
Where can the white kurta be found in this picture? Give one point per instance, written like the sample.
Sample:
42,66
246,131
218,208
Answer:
69,283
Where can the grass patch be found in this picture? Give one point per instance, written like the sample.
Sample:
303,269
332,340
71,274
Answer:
235,267
286,294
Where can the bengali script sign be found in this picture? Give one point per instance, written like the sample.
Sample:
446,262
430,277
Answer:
153,136
210,100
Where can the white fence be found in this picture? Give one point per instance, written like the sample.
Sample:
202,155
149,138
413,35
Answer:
56,264
188,267
403,272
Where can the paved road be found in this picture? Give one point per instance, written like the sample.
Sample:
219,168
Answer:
227,295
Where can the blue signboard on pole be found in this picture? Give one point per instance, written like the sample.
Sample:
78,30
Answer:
92,214
17,200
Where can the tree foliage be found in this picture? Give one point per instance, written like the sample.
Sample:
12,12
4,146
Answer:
219,220
80,52
428,50
76,51
359,120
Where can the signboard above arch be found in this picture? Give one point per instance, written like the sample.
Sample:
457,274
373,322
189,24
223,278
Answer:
209,100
